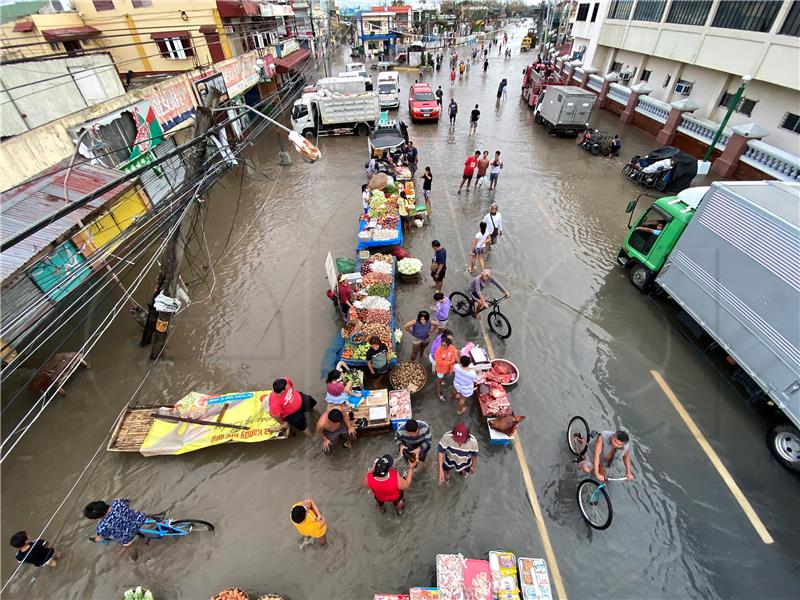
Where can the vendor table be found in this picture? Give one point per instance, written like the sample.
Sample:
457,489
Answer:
376,402
396,241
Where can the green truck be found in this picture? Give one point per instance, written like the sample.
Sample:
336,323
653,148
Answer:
651,239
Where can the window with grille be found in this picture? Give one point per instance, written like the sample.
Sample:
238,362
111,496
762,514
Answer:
103,5
791,122
689,12
746,106
649,10
175,48
748,15
620,9
791,25
726,99
594,12
645,76
142,3
583,12
616,67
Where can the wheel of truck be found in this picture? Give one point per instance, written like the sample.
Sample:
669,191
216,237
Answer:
641,277
784,443
308,134
362,129
548,127
538,118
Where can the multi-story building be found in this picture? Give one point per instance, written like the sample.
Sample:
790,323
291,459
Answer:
143,36
700,50
377,31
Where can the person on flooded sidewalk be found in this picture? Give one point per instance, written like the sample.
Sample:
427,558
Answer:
333,425
309,522
386,484
483,166
474,115
463,383
414,439
438,265
289,407
420,330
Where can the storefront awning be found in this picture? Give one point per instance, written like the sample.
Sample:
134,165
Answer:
67,34
237,8
291,61
23,27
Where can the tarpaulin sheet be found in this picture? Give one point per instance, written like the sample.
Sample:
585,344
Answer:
248,409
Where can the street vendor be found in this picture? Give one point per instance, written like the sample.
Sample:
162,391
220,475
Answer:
333,425
288,406
377,360
404,206
337,391
345,294
414,438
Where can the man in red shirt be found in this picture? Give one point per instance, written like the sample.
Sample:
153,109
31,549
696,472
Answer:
469,169
288,406
386,484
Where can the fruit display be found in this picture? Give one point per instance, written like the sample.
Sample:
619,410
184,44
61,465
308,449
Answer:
409,266
388,222
408,375
137,593
373,303
370,315
382,331
355,352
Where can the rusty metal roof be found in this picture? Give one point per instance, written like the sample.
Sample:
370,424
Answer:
30,202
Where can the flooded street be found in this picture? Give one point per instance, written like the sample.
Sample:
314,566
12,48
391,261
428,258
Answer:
585,339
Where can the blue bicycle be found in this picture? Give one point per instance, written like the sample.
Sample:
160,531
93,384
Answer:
156,527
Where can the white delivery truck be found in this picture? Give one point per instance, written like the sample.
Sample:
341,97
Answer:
389,89
320,113
356,68
344,85
564,109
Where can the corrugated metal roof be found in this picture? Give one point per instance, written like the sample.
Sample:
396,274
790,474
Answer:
31,202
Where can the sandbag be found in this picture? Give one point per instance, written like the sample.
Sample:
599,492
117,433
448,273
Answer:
345,265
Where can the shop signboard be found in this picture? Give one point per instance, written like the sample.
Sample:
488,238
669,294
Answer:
214,80
173,103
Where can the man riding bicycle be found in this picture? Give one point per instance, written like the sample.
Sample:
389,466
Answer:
475,291
118,522
602,448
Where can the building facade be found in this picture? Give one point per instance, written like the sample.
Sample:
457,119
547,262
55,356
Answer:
699,50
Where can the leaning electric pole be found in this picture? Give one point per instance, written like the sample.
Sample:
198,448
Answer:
176,246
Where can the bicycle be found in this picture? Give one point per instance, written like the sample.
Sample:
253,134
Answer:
594,501
156,527
463,305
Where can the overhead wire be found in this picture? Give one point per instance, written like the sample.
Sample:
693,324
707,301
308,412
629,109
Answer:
72,365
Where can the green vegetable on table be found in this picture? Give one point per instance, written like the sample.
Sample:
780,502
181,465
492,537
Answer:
379,289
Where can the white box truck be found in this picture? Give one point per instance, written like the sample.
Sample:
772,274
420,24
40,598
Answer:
344,85
321,113
564,109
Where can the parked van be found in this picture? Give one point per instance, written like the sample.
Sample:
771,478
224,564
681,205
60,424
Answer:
357,76
389,89
356,68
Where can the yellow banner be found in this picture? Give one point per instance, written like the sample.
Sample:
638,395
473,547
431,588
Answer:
249,410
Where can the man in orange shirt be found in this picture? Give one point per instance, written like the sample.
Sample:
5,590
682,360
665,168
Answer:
444,360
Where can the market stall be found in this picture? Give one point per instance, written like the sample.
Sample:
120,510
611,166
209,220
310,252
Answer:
196,421
375,310
501,577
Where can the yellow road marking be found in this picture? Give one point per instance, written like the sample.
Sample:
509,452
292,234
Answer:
555,573
755,521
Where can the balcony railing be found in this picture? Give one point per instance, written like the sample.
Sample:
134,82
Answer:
772,161
577,75
655,109
703,130
619,93
595,82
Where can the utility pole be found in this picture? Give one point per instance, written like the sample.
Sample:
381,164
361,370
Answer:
176,246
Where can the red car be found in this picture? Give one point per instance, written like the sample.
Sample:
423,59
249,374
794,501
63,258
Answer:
422,105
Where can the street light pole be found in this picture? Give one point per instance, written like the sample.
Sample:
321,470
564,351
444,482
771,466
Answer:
731,107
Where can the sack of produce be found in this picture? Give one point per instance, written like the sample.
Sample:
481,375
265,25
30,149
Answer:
400,252
345,266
